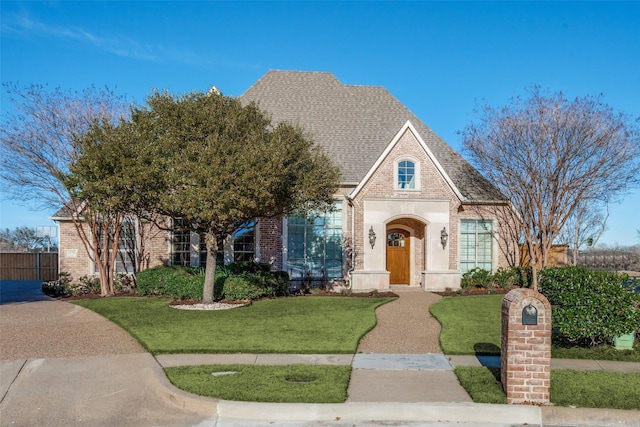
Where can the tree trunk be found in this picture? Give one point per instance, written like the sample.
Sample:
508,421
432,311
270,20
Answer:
210,270
533,260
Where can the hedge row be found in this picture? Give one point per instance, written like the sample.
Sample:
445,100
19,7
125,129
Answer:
237,281
590,307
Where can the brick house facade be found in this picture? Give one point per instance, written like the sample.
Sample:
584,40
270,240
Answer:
410,210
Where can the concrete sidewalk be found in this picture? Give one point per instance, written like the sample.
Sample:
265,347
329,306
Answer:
384,361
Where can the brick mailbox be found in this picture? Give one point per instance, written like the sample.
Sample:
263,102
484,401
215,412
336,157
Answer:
526,347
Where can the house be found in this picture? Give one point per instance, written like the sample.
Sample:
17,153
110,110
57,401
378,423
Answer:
410,210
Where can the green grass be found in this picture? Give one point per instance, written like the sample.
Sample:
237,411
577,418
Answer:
284,325
601,352
472,325
586,389
482,383
254,383
595,389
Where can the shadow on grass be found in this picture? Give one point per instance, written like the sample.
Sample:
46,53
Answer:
488,355
486,349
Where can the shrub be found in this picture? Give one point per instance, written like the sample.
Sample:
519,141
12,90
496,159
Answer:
57,288
85,285
476,278
241,267
589,307
503,278
241,288
513,277
172,281
64,286
187,283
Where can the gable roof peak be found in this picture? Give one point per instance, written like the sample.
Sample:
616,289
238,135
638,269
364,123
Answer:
355,124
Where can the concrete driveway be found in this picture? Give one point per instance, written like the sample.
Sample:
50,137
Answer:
63,365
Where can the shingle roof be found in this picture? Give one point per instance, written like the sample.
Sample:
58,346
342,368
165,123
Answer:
355,124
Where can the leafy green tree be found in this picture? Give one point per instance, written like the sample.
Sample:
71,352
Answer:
102,182
213,163
549,155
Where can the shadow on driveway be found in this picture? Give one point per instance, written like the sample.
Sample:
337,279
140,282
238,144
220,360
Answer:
21,291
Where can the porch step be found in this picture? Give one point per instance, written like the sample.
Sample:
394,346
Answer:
401,288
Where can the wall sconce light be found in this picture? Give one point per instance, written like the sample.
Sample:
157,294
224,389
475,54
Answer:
444,237
372,237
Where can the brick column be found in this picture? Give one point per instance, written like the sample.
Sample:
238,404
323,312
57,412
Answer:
526,347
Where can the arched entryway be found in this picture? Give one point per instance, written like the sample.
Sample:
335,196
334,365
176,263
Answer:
399,257
405,256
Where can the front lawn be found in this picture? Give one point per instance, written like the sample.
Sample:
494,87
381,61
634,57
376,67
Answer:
252,383
297,325
472,325
585,389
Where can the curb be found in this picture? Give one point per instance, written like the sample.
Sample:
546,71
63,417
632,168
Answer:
584,417
381,412
177,397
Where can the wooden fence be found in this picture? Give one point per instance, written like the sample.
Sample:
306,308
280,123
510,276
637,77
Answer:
28,266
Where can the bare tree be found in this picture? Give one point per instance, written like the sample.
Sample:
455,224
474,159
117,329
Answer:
39,139
584,228
21,239
548,154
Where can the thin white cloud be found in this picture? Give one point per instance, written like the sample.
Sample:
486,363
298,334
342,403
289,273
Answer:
114,44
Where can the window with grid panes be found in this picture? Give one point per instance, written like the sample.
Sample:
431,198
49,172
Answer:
314,245
406,175
125,259
476,245
244,243
180,244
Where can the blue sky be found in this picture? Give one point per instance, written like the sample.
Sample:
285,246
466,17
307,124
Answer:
438,58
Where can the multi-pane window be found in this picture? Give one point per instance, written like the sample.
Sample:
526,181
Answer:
406,175
476,245
126,256
395,240
126,259
314,245
244,243
181,244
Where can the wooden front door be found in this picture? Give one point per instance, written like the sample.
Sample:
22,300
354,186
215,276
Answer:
398,257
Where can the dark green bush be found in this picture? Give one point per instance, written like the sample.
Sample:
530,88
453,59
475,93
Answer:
187,283
172,281
241,267
241,288
589,307
476,278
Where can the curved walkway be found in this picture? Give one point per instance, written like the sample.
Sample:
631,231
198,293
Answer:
405,325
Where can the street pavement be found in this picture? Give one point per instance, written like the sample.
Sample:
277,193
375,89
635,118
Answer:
125,386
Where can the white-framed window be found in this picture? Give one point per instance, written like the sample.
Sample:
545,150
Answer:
314,245
476,245
406,174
